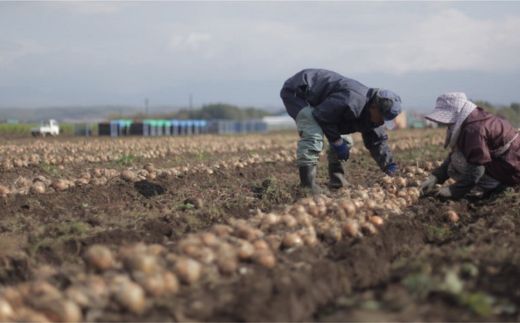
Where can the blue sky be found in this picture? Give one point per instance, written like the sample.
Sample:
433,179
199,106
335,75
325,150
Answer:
94,53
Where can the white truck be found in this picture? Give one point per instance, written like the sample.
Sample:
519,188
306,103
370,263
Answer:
50,127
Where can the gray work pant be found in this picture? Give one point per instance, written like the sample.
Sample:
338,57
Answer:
310,143
457,168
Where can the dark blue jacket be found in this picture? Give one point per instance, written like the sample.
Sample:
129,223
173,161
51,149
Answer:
340,106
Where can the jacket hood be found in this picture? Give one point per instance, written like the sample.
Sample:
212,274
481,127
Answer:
478,114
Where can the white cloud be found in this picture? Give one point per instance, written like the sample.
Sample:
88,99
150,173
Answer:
162,44
92,8
452,41
11,51
191,41
443,40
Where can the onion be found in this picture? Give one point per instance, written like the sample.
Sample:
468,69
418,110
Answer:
99,257
376,220
304,219
401,181
371,204
205,255
209,239
333,233
60,185
274,241
227,264
78,295
348,207
153,284
313,209
248,233
453,216
270,219
24,314
143,262
191,248
130,295
6,310
387,180
42,289
171,283
4,191
261,245
128,176
368,228
309,237
298,210
245,250
38,187
156,249
351,228
62,311
292,240
188,270
265,259
289,220
358,203
149,167
222,230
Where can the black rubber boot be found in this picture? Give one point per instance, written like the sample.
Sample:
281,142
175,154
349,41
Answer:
336,175
493,193
307,177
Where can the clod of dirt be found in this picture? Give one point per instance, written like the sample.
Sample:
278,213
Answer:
149,189
196,202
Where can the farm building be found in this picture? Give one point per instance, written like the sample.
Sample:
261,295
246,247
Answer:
153,127
417,120
236,127
115,128
175,127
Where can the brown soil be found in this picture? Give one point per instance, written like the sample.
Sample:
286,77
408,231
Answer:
419,267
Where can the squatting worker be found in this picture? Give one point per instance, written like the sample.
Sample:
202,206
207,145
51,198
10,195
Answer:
484,149
326,103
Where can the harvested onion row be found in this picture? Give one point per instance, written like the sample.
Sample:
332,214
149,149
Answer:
98,176
135,275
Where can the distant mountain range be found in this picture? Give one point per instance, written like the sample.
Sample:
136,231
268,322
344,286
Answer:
93,114
77,113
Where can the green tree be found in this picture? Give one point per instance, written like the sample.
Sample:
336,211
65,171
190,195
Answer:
221,111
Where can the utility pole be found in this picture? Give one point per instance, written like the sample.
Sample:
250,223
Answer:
146,101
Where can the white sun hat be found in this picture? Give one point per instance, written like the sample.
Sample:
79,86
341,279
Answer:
452,109
447,107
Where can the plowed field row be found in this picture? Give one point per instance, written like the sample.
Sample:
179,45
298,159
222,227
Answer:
247,244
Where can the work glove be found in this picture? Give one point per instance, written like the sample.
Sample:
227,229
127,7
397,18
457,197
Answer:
341,149
391,169
444,192
428,185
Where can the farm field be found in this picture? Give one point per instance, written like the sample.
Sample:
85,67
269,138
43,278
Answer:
216,228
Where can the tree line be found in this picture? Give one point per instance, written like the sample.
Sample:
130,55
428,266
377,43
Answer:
221,111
